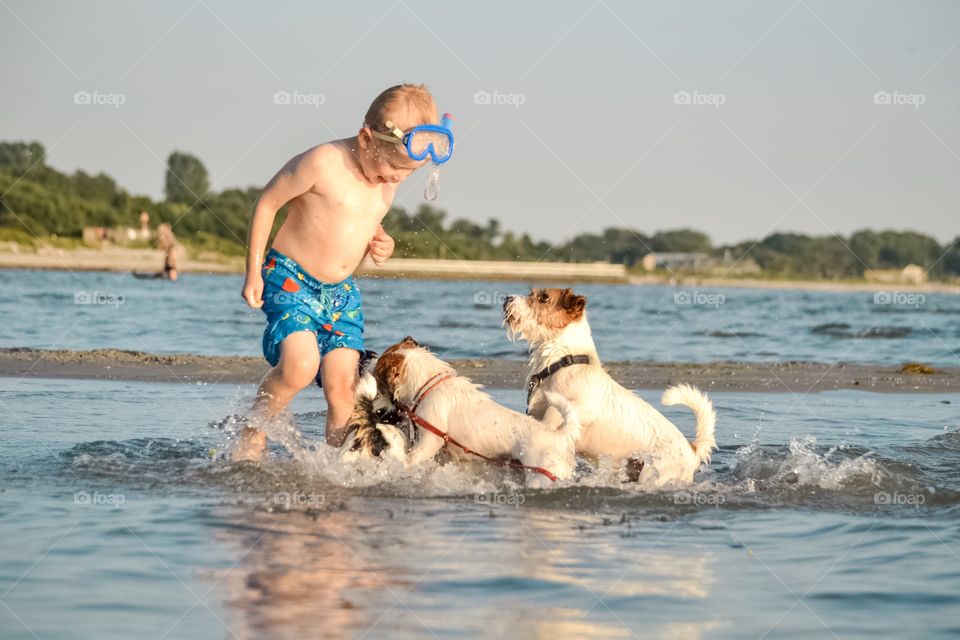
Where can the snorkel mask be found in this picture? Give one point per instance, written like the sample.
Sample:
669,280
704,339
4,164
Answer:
423,141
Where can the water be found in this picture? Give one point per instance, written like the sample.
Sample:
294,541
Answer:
835,514
204,314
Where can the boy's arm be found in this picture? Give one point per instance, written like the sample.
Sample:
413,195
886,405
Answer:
294,179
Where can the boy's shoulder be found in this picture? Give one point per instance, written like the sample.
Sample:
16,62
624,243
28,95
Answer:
323,155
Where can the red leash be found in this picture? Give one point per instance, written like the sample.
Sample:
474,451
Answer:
429,386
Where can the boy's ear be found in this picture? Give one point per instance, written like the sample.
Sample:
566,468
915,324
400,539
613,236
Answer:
364,136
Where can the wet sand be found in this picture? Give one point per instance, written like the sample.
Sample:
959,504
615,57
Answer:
796,377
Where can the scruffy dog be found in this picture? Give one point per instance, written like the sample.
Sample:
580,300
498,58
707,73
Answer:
379,430
615,421
412,376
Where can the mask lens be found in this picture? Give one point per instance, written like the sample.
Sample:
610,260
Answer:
421,142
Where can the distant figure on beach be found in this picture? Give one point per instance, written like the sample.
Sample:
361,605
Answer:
167,242
144,233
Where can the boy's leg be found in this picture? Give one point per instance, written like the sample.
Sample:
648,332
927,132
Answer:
339,371
297,368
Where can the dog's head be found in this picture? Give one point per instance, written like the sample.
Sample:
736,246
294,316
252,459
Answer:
376,423
543,315
404,368
390,366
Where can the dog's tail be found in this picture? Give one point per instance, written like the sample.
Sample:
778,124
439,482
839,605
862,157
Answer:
702,408
571,421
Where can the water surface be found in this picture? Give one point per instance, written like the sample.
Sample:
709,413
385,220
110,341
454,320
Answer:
831,514
461,319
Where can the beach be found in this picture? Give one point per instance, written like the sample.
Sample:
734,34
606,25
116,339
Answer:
119,259
793,377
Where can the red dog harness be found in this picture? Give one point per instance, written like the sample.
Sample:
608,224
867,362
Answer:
429,386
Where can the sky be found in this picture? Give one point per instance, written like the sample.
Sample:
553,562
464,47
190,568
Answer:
735,118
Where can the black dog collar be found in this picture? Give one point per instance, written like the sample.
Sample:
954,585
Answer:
537,379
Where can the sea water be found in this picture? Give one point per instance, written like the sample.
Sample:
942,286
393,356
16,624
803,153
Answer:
822,515
462,319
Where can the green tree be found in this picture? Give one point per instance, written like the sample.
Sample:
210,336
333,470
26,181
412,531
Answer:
18,157
187,180
682,240
951,259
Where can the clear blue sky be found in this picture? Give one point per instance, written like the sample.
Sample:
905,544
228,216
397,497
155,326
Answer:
797,144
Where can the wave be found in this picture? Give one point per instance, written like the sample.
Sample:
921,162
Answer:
733,334
801,474
844,330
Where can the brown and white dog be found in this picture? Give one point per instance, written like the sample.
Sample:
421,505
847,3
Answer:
458,407
615,421
378,430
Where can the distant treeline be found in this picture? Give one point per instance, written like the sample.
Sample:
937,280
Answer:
40,200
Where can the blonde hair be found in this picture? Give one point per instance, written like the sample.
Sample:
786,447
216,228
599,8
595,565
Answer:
407,105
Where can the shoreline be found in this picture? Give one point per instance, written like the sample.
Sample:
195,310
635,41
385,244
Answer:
120,260
748,377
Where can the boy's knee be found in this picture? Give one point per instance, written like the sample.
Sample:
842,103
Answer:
300,371
339,388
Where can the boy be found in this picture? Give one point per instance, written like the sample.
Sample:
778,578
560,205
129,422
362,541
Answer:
338,194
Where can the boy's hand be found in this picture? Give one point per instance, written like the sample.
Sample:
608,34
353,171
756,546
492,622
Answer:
381,247
253,290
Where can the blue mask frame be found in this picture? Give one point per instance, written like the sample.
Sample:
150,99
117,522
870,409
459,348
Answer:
406,139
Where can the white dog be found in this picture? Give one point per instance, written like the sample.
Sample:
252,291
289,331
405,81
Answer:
615,421
412,376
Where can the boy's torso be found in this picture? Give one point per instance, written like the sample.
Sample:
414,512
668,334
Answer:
328,228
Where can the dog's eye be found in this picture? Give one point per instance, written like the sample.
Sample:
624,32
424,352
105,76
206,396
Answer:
543,297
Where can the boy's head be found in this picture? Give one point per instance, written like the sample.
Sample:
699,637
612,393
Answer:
406,106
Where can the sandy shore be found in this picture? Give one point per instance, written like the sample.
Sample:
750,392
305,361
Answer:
123,259
701,282
796,377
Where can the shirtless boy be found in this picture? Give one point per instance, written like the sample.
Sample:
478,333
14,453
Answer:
338,194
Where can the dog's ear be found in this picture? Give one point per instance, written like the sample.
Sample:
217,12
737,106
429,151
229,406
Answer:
389,371
574,304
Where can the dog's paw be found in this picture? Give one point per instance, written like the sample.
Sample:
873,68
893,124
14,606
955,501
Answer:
571,421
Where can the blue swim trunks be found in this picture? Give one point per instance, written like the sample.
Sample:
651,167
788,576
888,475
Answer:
296,301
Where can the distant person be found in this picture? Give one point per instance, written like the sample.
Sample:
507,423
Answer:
167,242
144,233
338,192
